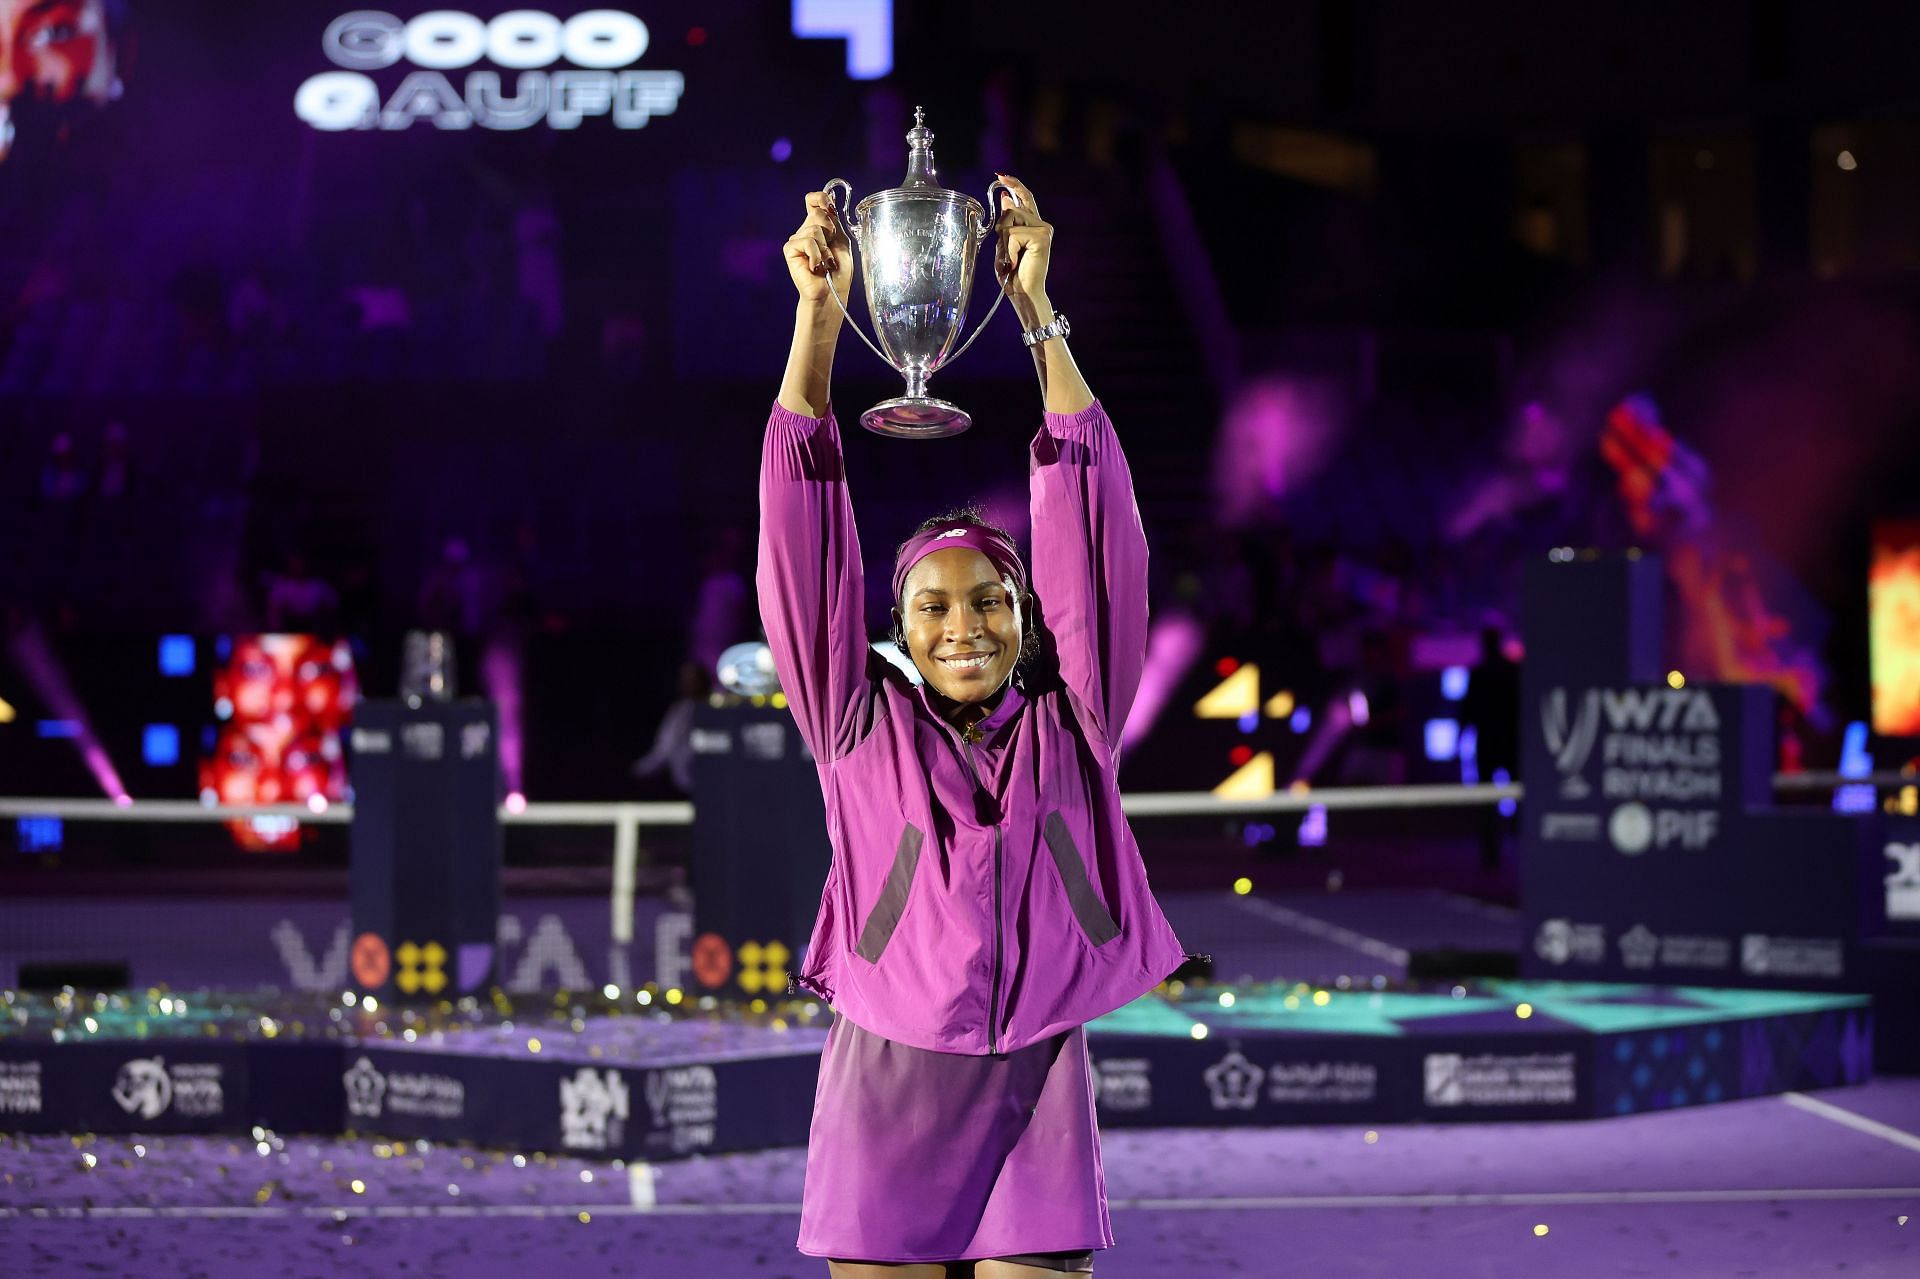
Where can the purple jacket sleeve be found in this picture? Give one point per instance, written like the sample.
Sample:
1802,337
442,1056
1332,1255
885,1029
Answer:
1090,561
810,581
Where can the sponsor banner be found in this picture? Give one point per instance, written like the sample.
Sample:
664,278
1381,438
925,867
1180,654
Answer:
1323,1082
1564,941
372,1093
595,1105
1123,1084
1643,950
683,1108
1903,881
1651,851
1893,876
157,1085
20,1094
1644,770
1501,1080
542,943
1764,956
1144,1080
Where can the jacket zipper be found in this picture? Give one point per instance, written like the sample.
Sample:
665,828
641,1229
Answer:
969,736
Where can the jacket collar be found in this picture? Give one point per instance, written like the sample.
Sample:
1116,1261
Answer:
1010,703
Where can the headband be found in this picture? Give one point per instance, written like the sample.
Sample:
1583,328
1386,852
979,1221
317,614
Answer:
998,550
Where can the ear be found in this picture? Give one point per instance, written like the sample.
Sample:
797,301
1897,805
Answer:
900,634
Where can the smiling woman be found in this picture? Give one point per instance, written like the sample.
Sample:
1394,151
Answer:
986,898
962,612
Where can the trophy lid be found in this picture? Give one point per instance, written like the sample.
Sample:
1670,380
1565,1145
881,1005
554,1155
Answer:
920,171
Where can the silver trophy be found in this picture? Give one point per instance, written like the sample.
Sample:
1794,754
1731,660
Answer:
918,242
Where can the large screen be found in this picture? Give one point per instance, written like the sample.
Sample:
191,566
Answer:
1893,603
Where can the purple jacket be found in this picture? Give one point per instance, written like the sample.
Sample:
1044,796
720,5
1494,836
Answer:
970,907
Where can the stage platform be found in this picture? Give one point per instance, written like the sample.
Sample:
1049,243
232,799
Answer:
614,1076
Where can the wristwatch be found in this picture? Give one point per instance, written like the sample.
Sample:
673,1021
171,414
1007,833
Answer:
1057,327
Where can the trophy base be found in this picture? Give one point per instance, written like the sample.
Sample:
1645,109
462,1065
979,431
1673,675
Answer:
916,417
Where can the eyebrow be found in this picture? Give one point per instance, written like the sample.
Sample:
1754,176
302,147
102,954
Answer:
984,584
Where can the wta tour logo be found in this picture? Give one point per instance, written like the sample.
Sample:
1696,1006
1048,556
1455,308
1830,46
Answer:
600,45
1571,739
1659,758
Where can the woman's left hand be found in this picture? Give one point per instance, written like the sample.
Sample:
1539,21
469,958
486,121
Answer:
1026,245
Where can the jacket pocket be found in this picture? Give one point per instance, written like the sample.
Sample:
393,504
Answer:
885,915
1093,918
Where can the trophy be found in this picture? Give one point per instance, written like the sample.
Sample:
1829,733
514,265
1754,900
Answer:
918,242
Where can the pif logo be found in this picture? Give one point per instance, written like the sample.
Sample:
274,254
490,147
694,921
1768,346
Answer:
712,960
763,967
421,967
372,964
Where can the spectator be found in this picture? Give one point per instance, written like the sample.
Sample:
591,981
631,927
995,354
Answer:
62,482
453,596
673,740
300,602
116,465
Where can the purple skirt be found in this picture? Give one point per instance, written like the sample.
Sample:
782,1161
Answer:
929,1156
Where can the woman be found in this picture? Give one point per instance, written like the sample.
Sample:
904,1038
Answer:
986,898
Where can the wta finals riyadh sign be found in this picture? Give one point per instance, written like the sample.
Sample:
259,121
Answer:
600,45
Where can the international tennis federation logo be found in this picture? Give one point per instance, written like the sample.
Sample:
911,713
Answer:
1570,737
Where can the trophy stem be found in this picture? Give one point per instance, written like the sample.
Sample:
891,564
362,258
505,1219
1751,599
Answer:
916,383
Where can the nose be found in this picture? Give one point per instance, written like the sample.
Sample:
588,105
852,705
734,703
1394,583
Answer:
965,620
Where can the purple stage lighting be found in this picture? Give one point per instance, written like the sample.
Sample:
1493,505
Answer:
1173,645
36,659
500,675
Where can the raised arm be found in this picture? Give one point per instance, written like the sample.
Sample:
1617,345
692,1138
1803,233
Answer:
809,576
1089,549
1026,249
1090,561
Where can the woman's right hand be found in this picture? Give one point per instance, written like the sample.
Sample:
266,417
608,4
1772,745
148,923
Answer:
818,247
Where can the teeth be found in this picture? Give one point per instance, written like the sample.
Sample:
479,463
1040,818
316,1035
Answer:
970,663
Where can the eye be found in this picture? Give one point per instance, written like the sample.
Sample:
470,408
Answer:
54,33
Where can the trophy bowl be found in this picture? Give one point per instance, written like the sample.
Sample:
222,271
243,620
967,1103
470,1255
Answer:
918,243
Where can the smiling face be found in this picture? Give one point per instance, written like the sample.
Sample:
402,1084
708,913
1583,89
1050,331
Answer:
962,624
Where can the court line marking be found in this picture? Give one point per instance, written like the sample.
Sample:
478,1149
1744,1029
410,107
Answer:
1848,1119
1232,1203
1305,923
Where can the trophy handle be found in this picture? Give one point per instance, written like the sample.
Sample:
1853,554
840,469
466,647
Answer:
843,208
993,206
843,212
1000,292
